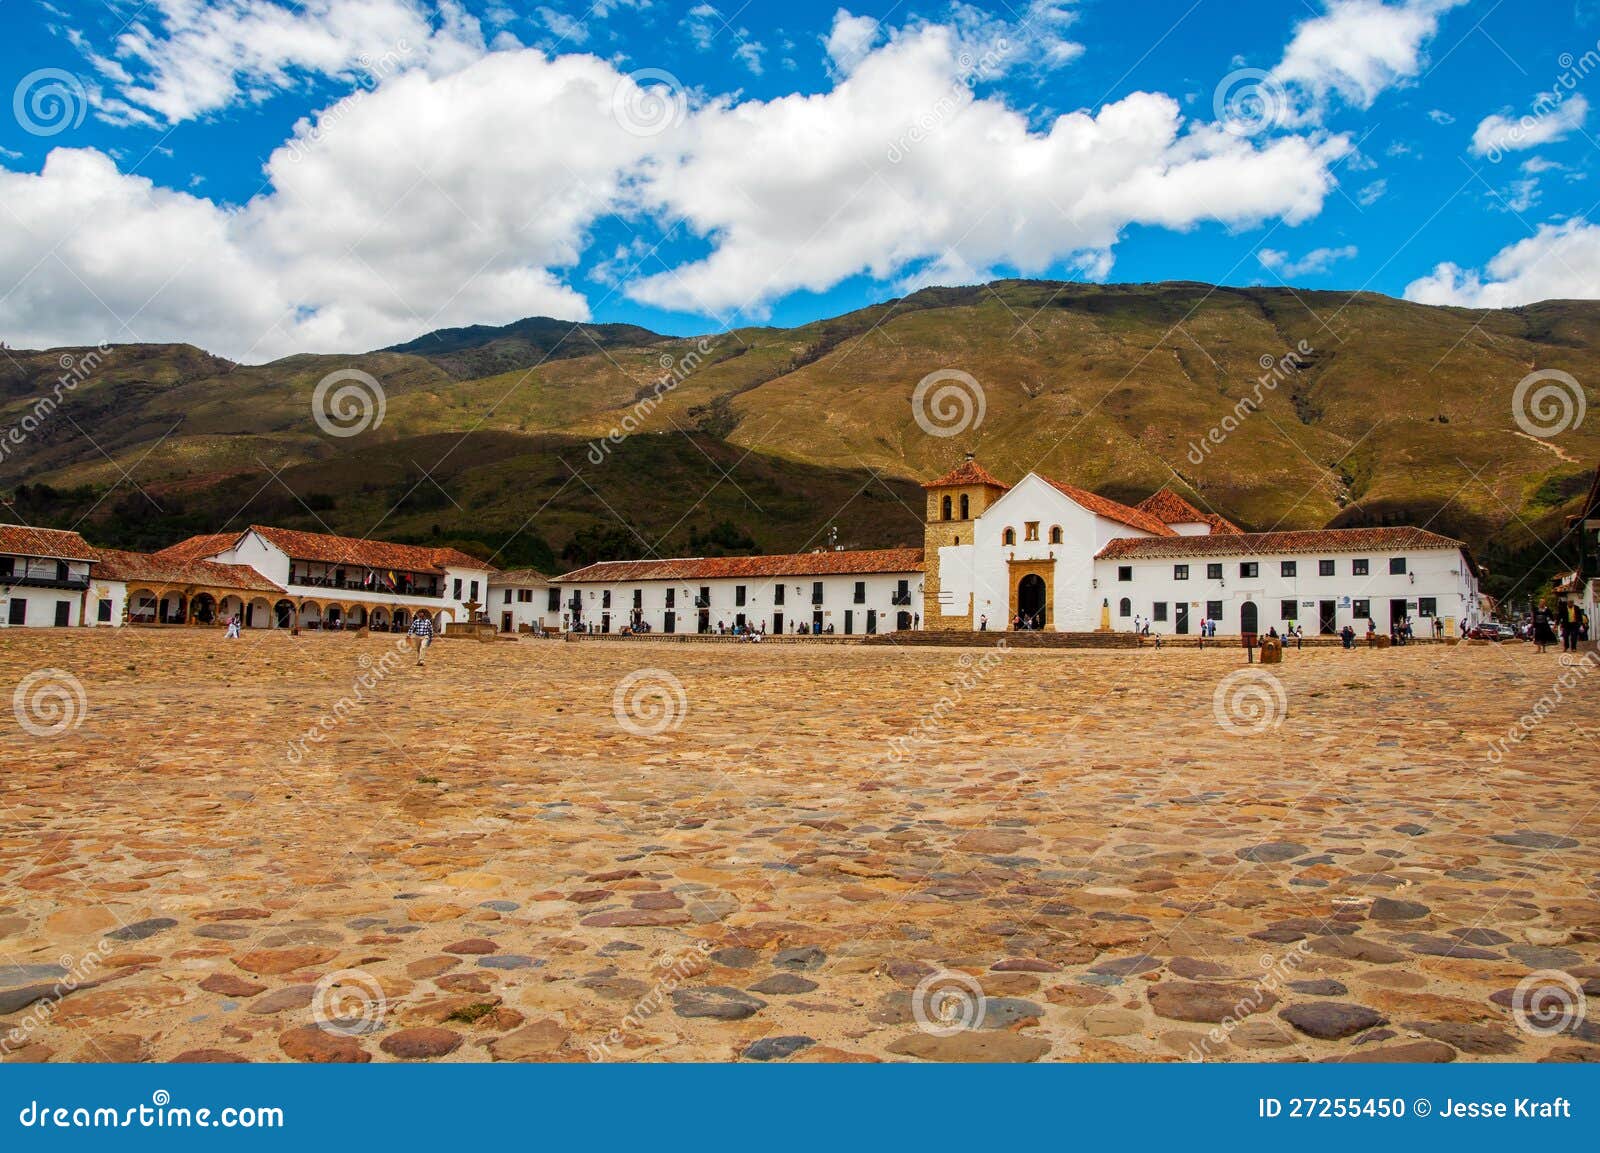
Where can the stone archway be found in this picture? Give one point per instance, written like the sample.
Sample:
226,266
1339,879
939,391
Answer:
283,614
203,609
1032,582
258,614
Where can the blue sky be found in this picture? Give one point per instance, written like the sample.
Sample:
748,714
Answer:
335,175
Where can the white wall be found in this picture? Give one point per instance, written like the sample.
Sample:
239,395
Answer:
1439,573
760,602
535,611
40,610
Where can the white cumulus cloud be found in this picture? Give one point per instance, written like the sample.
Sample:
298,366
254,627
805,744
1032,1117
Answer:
1559,262
1550,119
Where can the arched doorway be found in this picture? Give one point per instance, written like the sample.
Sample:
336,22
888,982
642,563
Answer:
1031,601
1247,617
204,608
284,611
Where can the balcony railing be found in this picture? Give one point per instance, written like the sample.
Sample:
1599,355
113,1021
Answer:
900,598
42,581
403,588
702,602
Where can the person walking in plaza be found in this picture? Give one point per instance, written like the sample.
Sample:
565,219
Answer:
421,634
233,628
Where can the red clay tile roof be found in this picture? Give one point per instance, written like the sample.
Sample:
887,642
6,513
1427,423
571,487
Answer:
200,547
850,563
968,471
154,568
56,543
520,576
1170,508
326,548
1102,506
1325,540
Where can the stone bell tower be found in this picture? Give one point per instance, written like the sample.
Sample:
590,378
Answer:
955,501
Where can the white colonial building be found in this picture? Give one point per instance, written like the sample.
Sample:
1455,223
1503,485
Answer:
845,593
44,576
1043,554
523,600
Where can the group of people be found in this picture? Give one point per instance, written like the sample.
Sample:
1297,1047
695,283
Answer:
1567,622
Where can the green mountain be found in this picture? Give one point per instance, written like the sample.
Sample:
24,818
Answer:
1382,412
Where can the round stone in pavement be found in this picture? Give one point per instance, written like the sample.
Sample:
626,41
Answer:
223,932
809,957
472,946
1480,936
1331,1020
139,930
421,1043
1541,957
968,1046
735,957
1127,966
1529,839
209,1057
289,997
320,1047
1326,987
1389,909
717,1001
784,984
1003,1012
776,1048
11,975
1208,1001
500,906
508,961
1272,851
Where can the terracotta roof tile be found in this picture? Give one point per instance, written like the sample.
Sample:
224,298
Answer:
20,540
1326,540
967,472
326,548
849,563
154,568
200,547
1103,506
1170,508
520,576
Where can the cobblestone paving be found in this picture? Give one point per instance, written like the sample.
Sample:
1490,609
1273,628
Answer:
217,850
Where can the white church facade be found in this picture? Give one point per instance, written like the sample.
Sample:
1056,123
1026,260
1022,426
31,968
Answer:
1043,554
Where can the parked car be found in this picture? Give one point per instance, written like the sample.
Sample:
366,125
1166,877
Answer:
1484,631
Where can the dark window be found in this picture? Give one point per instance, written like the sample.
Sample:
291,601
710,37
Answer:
816,592
1055,534
1125,607
508,596
1324,568
964,507
1180,572
1427,606
1213,572
1397,564
18,613
474,595
458,588
1358,568
1124,572
1289,610
1009,536
944,508
777,594
672,598
861,592
1160,610
61,570
605,598
738,594
1249,568
638,598
63,614
103,612
1286,568
1361,610
1213,610
8,566
553,603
